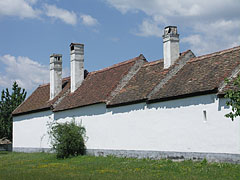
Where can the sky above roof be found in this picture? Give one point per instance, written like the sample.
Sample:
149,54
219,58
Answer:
112,31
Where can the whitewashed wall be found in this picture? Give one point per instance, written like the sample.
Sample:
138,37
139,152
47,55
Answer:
177,125
30,131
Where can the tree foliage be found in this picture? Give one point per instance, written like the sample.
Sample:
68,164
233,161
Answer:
8,103
68,139
233,95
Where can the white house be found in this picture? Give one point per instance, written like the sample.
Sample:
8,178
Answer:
173,107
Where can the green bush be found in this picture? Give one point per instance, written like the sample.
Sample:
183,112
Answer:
68,139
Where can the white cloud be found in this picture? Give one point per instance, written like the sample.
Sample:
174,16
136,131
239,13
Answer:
149,28
32,1
88,20
175,8
62,14
24,9
28,73
214,36
198,44
20,8
211,25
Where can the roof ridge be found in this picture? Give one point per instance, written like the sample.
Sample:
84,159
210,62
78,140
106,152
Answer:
46,84
161,60
153,62
119,64
43,85
214,54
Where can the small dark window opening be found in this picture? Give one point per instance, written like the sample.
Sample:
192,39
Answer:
58,58
205,115
72,48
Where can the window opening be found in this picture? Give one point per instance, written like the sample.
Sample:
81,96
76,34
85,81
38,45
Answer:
204,115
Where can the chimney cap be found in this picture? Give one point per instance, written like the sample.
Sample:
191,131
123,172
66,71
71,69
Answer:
170,27
73,44
56,55
170,31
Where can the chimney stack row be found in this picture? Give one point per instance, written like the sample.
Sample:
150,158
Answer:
170,53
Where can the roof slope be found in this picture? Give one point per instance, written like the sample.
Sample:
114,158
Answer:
39,99
201,74
141,84
147,78
98,85
230,85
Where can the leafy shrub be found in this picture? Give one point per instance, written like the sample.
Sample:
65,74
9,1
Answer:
68,139
233,95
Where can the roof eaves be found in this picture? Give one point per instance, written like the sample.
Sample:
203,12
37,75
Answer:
32,111
126,103
69,108
199,93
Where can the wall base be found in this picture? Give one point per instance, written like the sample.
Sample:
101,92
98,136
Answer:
175,156
32,150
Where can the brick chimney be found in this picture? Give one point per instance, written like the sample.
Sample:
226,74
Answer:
55,75
77,65
170,45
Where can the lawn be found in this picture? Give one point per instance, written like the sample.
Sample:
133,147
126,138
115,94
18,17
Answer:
46,166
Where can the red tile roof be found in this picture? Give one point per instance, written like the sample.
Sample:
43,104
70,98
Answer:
201,74
39,99
125,82
143,83
97,87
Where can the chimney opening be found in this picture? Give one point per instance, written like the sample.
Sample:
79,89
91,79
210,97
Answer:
169,30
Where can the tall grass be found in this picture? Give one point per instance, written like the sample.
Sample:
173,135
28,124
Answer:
46,166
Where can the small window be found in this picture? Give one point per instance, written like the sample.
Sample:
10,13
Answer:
204,115
72,48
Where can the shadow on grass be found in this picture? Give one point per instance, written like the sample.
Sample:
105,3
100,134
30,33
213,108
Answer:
4,152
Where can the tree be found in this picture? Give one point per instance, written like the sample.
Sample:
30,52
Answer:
233,95
8,103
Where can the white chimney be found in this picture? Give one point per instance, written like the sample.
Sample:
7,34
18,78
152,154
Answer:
55,75
77,62
170,46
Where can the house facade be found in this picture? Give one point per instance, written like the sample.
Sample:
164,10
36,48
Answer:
169,108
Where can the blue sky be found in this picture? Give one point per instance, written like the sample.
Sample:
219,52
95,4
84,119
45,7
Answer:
112,31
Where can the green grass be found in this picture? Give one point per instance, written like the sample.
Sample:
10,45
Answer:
46,166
